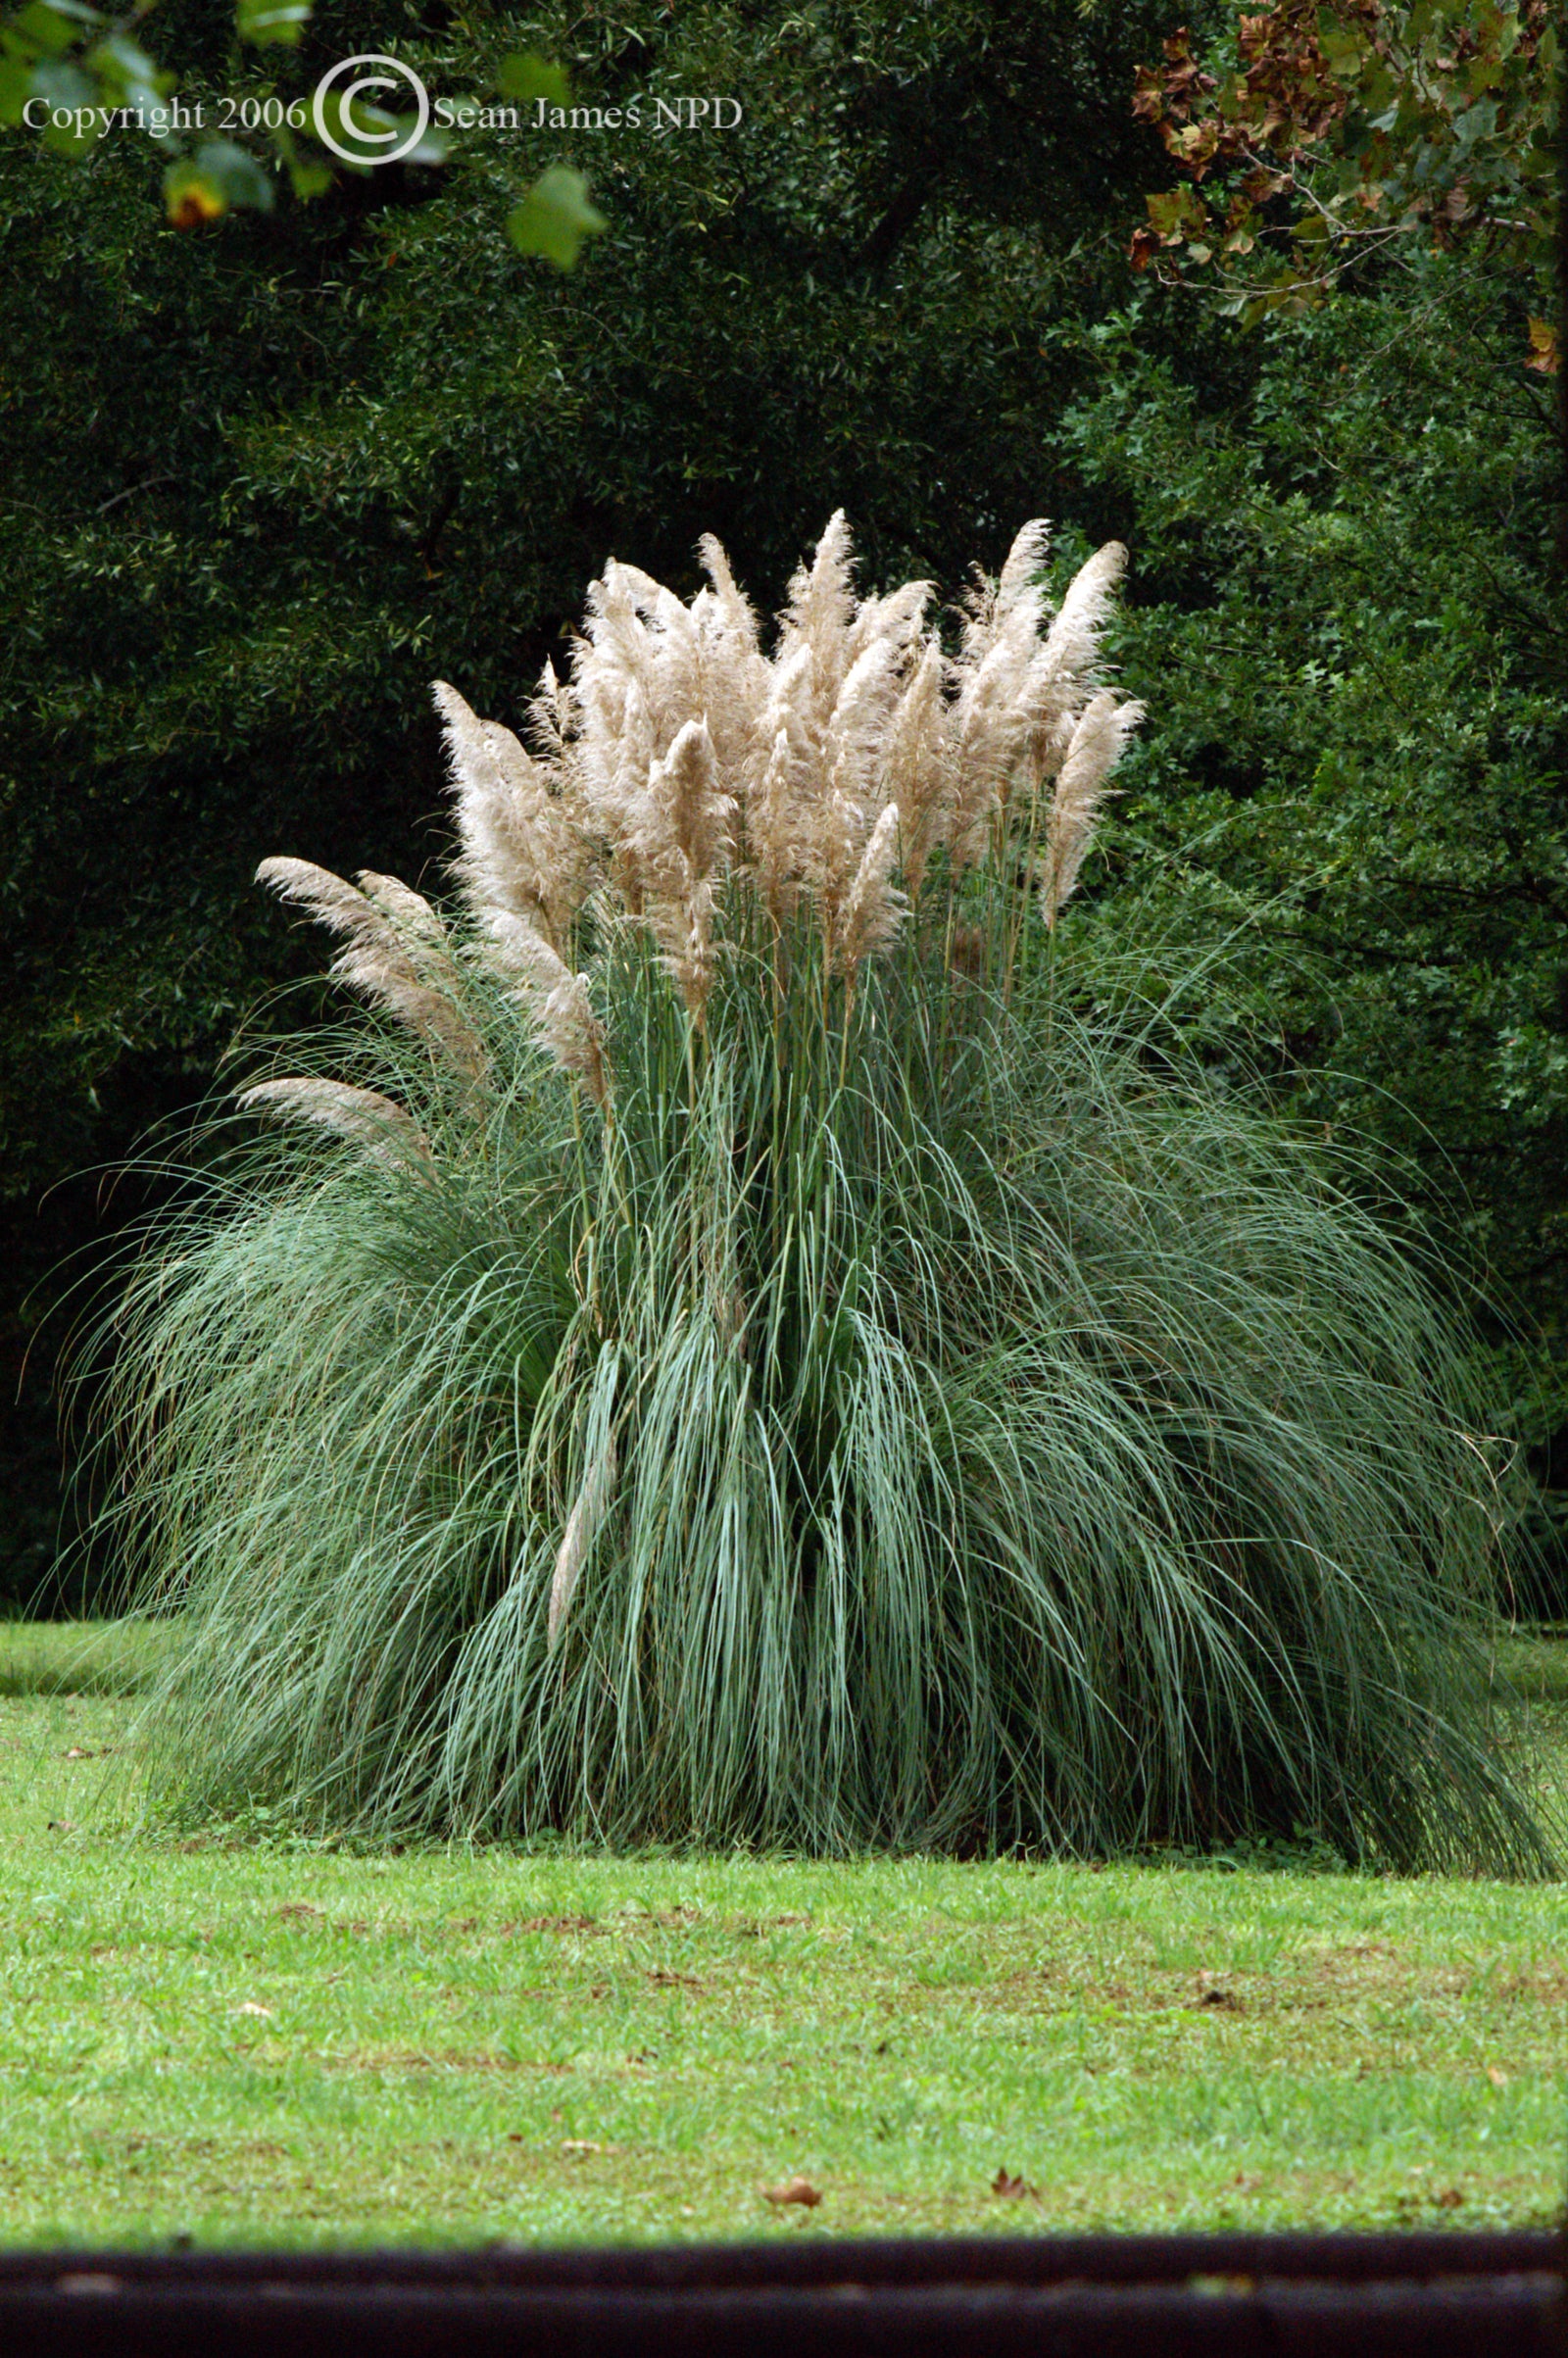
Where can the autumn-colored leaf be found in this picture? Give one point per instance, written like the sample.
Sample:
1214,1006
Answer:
793,2190
1012,2189
1544,353
1499,2078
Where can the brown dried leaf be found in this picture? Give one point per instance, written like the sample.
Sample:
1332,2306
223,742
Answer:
1012,2189
793,2190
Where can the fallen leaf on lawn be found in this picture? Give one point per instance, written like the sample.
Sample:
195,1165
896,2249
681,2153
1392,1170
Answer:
1497,2078
1449,2199
1011,2188
793,2190
579,2145
1221,1997
250,2007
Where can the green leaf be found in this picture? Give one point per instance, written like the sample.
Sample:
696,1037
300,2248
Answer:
15,87
554,218
236,173
273,23
190,197
1340,45
308,178
55,24
217,177
307,175
66,89
525,76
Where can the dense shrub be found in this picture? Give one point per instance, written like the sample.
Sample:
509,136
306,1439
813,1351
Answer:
745,1346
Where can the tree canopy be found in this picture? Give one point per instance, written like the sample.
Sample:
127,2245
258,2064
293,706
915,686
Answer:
272,474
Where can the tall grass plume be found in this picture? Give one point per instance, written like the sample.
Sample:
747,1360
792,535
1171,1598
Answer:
730,1346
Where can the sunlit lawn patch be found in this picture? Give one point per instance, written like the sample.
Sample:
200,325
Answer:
245,2042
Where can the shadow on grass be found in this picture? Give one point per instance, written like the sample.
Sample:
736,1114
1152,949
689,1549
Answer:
79,1657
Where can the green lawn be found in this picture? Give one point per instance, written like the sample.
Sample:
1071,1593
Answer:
248,2044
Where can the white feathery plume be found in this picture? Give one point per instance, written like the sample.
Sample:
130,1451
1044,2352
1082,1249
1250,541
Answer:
1080,794
582,1529
520,849
684,835
1022,567
386,1131
410,911
784,780
570,1032
616,748
987,605
331,900
818,614
918,768
769,833
831,826
1072,642
670,657
678,755
740,617
691,812
897,617
514,947
564,1024
992,716
1062,675
551,714
649,598
735,676
874,908
682,926
849,783
376,960
987,724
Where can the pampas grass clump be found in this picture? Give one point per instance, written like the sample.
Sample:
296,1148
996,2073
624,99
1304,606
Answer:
725,1350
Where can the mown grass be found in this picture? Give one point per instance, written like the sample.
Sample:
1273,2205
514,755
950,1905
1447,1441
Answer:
78,1657
246,2042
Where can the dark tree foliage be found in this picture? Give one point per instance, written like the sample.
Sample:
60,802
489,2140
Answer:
268,480
1351,619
